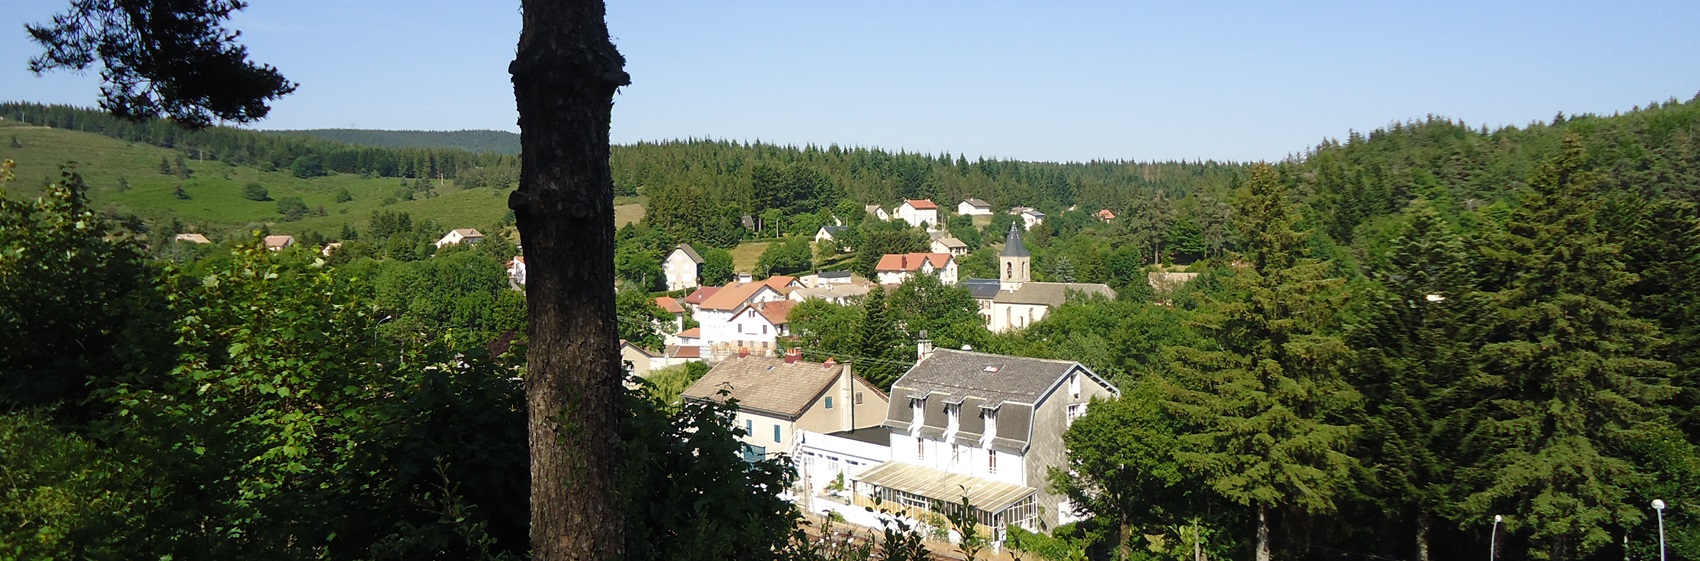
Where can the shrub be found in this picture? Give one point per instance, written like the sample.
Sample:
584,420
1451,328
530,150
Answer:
254,191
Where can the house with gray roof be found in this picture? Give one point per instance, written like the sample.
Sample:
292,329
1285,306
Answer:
986,426
779,396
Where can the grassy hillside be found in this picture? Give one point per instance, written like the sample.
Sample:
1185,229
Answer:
216,204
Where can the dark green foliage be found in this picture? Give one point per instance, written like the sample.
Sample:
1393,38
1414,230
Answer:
176,61
793,255
1572,382
343,196
500,142
179,193
949,315
254,191
880,238
641,320
292,208
880,355
181,169
70,286
307,166
716,267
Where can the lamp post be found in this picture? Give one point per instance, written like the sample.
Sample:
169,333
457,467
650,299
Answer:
1659,506
1493,537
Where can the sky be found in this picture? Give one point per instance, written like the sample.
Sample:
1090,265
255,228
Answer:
1053,81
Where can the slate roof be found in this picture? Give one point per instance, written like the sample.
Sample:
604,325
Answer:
982,289
690,252
977,203
1012,246
468,232
832,230
1051,293
871,435
766,385
958,375
834,274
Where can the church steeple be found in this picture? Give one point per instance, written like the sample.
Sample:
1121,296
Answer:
1015,264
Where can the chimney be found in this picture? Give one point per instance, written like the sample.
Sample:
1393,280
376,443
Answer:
905,262
792,355
830,362
743,352
923,347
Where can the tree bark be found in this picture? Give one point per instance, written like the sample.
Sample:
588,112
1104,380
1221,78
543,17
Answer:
565,74
1423,523
1262,533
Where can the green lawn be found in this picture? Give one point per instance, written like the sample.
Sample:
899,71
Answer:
744,256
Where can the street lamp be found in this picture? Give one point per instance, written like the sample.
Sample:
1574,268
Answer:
1493,537
1659,506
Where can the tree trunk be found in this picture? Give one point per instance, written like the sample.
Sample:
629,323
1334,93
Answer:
1423,523
1262,533
565,75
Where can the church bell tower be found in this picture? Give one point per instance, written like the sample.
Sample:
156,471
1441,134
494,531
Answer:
1015,264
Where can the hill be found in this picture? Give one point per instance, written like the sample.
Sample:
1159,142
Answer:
481,141
127,178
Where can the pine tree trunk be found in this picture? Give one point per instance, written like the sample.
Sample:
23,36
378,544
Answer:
1262,533
1423,523
564,75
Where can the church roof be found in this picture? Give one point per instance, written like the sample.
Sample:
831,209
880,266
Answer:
1012,246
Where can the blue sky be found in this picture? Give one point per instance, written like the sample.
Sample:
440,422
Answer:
1055,80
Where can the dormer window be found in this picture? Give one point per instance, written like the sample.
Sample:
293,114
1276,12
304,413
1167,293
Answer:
953,414
1074,385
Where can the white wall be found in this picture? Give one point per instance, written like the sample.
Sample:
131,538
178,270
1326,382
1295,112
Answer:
680,270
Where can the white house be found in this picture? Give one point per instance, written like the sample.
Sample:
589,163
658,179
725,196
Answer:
922,212
757,326
1018,301
779,397
974,207
878,212
985,426
460,235
825,460
894,268
725,334
682,267
516,270
1029,216
944,243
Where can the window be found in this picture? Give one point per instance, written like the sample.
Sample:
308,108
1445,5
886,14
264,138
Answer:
858,398
829,402
1076,411
764,332
753,454
776,433
749,426
920,449
1008,270
992,462
1074,384
955,454
740,328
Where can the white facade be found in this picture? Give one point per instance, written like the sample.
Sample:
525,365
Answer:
919,213
682,268
878,212
974,207
822,458
894,268
460,235
719,327
1004,316
1031,218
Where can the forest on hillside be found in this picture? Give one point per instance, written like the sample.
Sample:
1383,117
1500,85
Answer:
1393,338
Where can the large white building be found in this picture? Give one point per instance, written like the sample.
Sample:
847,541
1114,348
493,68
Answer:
682,267
459,236
974,207
985,426
919,212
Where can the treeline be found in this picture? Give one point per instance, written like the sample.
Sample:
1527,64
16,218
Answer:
698,190
479,141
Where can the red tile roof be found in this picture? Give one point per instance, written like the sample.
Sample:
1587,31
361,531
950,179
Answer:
692,333
731,296
684,352
922,204
780,281
696,298
670,305
893,262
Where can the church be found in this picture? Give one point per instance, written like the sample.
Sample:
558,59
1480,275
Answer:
1015,300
